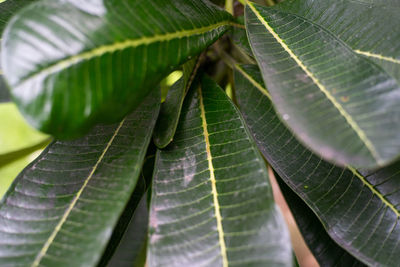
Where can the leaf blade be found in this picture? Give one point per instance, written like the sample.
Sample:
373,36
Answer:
201,198
325,250
366,26
73,194
313,97
171,109
351,212
65,79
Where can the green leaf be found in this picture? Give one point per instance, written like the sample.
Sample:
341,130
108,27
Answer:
4,93
360,209
132,247
99,65
62,208
9,171
171,108
239,38
325,250
367,26
127,246
15,133
335,100
8,8
212,203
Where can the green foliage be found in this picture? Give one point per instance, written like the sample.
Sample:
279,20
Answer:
138,175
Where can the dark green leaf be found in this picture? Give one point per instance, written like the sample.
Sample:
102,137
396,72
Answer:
4,93
62,208
212,203
171,108
94,61
360,210
132,247
239,38
127,245
325,250
8,8
336,101
370,27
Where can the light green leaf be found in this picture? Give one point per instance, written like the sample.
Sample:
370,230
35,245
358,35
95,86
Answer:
99,65
359,209
171,109
15,133
9,171
212,203
62,208
335,100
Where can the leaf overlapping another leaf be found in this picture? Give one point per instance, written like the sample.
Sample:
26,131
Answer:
69,199
72,64
325,250
335,101
212,204
369,27
359,209
171,109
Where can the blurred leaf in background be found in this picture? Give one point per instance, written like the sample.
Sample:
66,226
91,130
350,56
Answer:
19,144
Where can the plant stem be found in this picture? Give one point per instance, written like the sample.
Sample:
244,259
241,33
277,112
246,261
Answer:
229,6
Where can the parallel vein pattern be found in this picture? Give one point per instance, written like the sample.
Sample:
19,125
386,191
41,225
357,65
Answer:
99,66
212,204
69,199
213,181
325,250
368,26
359,209
333,99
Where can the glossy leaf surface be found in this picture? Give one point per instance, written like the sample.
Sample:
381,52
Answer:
171,108
325,250
212,204
370,27
336,101
72,64
132,246
360,210
62,208
7,9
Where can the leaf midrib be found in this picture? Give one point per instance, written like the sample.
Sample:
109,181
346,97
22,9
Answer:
130,43
217,207
68,211
353,170
374,191
353,124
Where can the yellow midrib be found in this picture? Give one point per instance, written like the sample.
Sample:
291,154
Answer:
253,82
213,183
101,50
377,56
67,212
374,191
336,104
